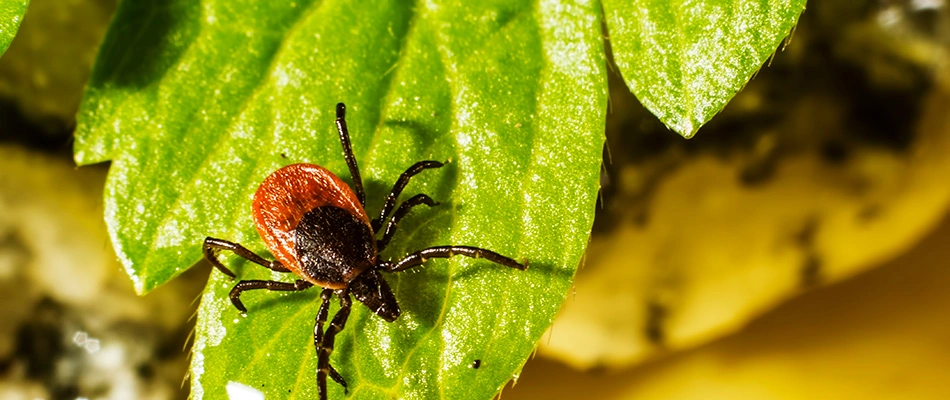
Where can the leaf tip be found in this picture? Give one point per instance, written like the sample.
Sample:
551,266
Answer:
685,126
80,157
137,283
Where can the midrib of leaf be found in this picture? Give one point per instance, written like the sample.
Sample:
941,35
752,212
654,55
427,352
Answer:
687,123
454,218
391,72
438,324
301,372
405,365
367,156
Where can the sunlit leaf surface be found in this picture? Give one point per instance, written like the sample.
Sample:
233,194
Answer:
685,59
196,103
11,15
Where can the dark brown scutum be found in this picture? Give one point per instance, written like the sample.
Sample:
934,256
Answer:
333,246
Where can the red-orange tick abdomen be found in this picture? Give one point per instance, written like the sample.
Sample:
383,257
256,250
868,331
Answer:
282,200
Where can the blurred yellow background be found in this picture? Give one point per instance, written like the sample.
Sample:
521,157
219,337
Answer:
882,335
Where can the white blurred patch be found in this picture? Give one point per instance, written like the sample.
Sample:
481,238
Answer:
240,391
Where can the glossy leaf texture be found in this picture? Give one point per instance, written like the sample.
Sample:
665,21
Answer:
11,15
685,59
195,103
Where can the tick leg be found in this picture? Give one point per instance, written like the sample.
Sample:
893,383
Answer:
243,286
401,212
339,379
326,345
212,246
399,186
421,256
348,153
318,332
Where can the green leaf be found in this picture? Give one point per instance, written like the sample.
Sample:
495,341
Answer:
684,60
11,15
196,104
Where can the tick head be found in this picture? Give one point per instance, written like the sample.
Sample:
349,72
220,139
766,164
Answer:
372,290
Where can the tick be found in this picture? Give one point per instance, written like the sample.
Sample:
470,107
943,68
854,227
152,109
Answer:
316,227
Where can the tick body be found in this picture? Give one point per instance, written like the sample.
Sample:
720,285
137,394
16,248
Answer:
317,227
314,225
